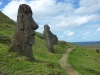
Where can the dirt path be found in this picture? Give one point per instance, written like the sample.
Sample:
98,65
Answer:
65,66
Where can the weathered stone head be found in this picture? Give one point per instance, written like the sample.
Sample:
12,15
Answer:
46,27
97,50
25,16
23,8
24,34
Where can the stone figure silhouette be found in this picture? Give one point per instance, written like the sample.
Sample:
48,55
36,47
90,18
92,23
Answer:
24,32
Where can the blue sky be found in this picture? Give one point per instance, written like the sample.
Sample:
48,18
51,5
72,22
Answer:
70,20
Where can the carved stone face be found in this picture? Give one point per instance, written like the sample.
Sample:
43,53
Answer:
26,13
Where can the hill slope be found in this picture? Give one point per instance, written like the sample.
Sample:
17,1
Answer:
14,64
6,25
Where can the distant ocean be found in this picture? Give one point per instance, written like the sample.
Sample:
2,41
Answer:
87,43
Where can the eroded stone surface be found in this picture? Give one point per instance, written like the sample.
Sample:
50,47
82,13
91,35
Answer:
24,33
50,38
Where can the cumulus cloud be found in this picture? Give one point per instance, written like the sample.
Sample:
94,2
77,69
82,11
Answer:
88,2
88,7
11,8
70,22
87,18
62,17
40,8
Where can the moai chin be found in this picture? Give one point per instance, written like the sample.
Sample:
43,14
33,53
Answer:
24,33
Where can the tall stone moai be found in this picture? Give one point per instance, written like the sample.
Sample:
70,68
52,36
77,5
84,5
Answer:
50,38
24,32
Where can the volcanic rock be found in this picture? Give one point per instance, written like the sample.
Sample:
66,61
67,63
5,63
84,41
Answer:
97,50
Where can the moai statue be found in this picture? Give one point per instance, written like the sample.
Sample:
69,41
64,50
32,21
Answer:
50,38
24,33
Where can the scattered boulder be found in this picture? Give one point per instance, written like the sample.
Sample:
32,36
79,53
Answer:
2,73
97,50
63,42
24,33
50,38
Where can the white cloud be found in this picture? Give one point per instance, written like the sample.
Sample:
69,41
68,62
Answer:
86,19
69,22
11,8
0,3
88,2
98,30
69,33
88,7
40,8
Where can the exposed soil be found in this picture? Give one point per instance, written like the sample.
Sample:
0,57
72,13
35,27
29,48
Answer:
65,66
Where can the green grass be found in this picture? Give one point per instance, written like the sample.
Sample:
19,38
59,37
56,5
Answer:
85,61
7,30
60,48
46,63
7,25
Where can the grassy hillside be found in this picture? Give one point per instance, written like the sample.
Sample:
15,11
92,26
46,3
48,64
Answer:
5,19
85,60
14,64
6,27
46,63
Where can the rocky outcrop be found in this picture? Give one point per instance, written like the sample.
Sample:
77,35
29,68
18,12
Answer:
63,42
2,73
50,38
24,33
97,50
